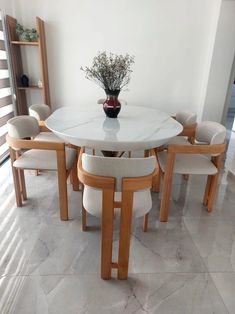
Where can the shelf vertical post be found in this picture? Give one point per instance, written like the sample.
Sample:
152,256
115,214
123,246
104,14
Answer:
43,58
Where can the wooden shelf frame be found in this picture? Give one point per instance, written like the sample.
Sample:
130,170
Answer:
29,87
25,43
17,65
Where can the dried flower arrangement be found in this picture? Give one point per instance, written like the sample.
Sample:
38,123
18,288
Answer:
111,72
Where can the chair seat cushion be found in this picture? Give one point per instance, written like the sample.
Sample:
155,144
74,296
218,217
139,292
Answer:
47,136
43,159
180,140
92,202
189,164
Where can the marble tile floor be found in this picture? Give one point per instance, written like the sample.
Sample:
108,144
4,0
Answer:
184,266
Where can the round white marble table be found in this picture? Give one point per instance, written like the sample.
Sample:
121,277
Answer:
136,128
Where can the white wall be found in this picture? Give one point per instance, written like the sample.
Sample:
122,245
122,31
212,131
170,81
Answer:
171,40
6,6
221,63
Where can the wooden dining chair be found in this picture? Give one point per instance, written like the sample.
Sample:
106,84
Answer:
41,112
202,158
28,153
116,187
188,120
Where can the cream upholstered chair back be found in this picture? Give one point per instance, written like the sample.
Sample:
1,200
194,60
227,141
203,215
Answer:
186,117
40,111
118,167
210,132
23,127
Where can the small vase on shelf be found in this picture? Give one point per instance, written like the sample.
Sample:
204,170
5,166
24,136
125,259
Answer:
112,106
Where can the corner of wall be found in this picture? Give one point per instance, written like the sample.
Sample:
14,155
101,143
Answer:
221,62
209,60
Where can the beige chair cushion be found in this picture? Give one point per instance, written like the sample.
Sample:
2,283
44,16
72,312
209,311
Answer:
210,132
186,117
179,140
47,136
43,159
22,127
40,111
189,164
92,202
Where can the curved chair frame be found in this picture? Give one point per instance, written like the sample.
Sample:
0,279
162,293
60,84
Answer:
189,130
107,185
15,145
212,180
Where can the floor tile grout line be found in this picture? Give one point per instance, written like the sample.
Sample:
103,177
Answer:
133,274
218,290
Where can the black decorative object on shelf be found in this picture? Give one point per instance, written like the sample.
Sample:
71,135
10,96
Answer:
24,80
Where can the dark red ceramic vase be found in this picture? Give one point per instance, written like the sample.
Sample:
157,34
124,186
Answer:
112,106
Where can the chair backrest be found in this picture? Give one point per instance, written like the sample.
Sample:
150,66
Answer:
118,167
210,132
23,127
186,117
40,111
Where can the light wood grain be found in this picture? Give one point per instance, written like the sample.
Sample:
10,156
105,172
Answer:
107,185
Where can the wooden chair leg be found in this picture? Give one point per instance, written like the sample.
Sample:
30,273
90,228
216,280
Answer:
62,184
185,177
36,172
84,226
125,234
212,192
207,190
157,179
145,224
214,181
157,183
22,184
16,179
107,234
146,153
74,177
166,191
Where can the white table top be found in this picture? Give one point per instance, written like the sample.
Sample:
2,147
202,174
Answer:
136,128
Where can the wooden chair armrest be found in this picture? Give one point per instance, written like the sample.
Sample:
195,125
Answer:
31,144
43,127
189,130
196,149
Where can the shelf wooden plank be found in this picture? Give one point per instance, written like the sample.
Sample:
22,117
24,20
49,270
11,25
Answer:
29,87
26,43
